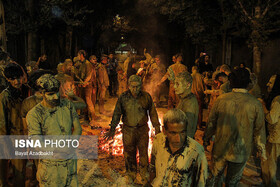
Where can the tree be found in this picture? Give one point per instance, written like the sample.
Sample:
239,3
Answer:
261,19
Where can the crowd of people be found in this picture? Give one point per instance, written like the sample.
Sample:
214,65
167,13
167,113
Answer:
35,100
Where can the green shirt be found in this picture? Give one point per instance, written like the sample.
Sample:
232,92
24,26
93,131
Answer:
134,111
236,119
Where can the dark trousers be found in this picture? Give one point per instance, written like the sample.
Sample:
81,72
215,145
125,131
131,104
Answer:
113,79
133,139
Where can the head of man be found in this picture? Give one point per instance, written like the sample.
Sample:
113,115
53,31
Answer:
104,59
49,88
82,55
271,83
206,59
194,69
240,78
222,77
225,68
43,57
174,59
111,56
157,59
93,59
68,64
183,83
179,58
14,75
134,85
175,128
61,68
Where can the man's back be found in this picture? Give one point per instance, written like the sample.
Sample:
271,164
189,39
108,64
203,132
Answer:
235,119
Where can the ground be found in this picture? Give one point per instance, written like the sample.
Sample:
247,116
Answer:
109,170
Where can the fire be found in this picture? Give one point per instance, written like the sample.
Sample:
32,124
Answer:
115,146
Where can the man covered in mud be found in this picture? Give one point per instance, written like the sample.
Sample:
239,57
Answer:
188,102
10,121
54,116
272,115
236,120
172,72
177,160
134,107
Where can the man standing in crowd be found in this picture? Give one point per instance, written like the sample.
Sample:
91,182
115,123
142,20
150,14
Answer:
103,83
10,121
172,72
236,120
188,102
54,116
177,160
112,73
135,107
272,116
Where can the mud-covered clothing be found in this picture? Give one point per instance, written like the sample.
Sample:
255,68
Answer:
236,120
57,174
225,87
186,167
122,82
11,124
189,106
28,104
102,76
10,106
176,68
134,111
54,121
269,167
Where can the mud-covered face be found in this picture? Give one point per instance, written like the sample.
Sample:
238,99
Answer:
270,83
176,134
135,88
52,98
180,86
16,82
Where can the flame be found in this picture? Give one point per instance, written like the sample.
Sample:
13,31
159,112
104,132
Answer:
115,146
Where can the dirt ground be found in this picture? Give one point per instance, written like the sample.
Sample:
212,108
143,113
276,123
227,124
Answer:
109,170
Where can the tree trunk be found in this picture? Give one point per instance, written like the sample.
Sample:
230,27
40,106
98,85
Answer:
224,48
31,46
256,59
3,38
68,41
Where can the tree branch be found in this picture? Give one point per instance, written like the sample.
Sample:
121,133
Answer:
268,7
244,11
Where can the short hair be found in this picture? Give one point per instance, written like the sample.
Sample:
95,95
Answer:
239,78
221,74
134,78
157,56
48,83
174,116
60,67
68,61
225,68
185,76
92,57
34,76
13,71
83,52
195,67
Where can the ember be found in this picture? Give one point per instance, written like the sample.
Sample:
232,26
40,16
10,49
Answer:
115,146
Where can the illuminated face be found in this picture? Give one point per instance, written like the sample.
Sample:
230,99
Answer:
157,60
111,56
180,86
52,98
16,83
176,134
270,83
93,61
174,59
135,88
104,60
81,57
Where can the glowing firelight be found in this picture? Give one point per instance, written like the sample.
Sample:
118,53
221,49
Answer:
115,146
